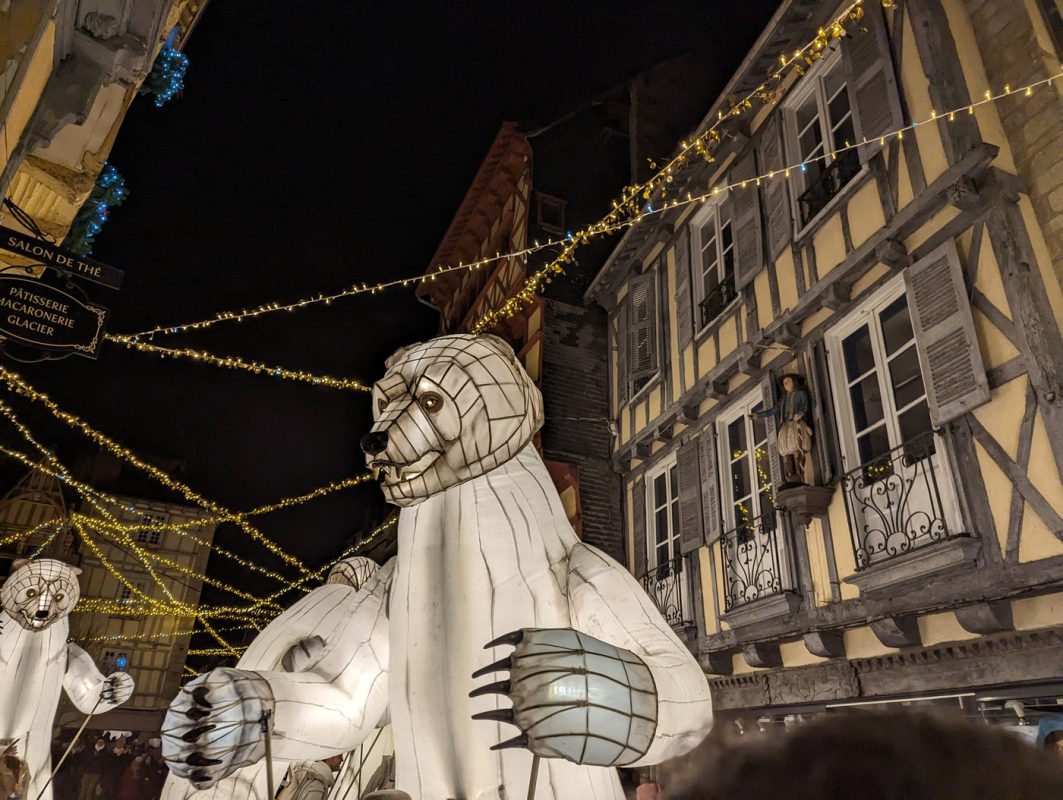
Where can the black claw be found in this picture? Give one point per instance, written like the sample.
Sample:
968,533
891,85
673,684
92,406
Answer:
513,637
197,759
199,694
497,715
195,733
197,713
199,776
498,666
516,741
498,687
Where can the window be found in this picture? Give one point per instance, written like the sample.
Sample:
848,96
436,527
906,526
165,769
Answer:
665,582
148,536
114,661
819,120
127,595
550,213
642,330
748,502
664,514
713,256
897,487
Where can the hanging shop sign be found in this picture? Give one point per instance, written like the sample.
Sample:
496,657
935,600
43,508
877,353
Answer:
68,263
43,317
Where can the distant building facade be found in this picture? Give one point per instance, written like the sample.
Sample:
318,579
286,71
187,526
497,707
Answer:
911,289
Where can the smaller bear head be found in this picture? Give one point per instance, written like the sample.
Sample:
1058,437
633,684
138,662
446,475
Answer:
446,411
38,593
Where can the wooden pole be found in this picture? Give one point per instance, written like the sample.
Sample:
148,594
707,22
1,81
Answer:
534,777
267,733
70,747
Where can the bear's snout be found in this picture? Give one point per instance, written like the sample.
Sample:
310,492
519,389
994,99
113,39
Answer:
374,442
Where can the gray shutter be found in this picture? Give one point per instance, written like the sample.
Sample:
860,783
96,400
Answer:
690,533
642,333
684,301
777,221
944,334
623,380
710,492
639,526
749,254
871,81
767,392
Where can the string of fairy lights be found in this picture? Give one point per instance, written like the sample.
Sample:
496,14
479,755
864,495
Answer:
636,203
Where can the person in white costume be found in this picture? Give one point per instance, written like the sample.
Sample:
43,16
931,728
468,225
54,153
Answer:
37,662
310,780
485,556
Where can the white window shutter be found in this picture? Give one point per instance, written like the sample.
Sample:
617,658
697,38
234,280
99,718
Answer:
777,220
623,373
749,252
638,524
683,295
872,82
690,517
944,334
642,331
710,495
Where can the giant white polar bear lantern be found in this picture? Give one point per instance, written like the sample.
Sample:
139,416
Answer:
485,555
36,661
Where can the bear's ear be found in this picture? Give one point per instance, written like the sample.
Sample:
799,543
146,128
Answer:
75,570
500,344
395,357
19,562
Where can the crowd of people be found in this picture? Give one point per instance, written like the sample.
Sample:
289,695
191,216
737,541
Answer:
102,769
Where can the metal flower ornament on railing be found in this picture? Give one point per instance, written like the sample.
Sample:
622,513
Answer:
752,565
167,77
894,502
664,585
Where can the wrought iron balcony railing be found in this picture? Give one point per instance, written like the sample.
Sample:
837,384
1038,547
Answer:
894,501
717,300
668,585
830,181
753,565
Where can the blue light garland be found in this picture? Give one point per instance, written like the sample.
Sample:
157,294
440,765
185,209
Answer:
110,190
167,77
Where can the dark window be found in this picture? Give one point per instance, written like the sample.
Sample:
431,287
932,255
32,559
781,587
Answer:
550,213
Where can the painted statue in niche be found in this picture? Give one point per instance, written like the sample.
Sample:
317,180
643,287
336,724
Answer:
37,662
793,431
492,633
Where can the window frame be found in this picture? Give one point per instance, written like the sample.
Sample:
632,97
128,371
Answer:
740,409
711,211
813,84
666,467
652,276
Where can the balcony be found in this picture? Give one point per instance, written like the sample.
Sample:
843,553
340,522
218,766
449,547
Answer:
717,300
829,182
668,585
753,565
897,504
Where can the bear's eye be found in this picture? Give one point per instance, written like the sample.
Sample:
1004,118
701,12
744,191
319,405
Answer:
431,402
31,593
381,404
60,597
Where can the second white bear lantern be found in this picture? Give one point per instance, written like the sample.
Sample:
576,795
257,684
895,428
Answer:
579,667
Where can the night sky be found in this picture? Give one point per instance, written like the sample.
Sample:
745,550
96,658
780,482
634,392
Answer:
316,145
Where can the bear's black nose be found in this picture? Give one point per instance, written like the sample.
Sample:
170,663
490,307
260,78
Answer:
374,442
42,613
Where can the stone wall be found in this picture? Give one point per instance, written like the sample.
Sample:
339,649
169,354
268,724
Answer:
574,386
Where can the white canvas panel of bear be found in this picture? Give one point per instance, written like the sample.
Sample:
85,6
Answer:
36,660
489,580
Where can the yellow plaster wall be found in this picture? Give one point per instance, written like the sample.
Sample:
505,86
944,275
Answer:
795,654
1037,612
829,242
25,102
712,624
814,319
865,214
728,337
640,417
942,627
928,229
1036,541
844,557
862,643
763,295
654,402
1002,414
995,347
737,382
1042,471
904,182
787,279
988,279
707,405
868,279
740,667
688,367
625,425
1044,261
706,356
977,81
998,493
817,557
914,88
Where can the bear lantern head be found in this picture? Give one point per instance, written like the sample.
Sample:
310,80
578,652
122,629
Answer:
446,411
40,592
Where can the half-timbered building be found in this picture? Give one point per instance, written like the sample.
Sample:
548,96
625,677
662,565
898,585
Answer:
910,284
